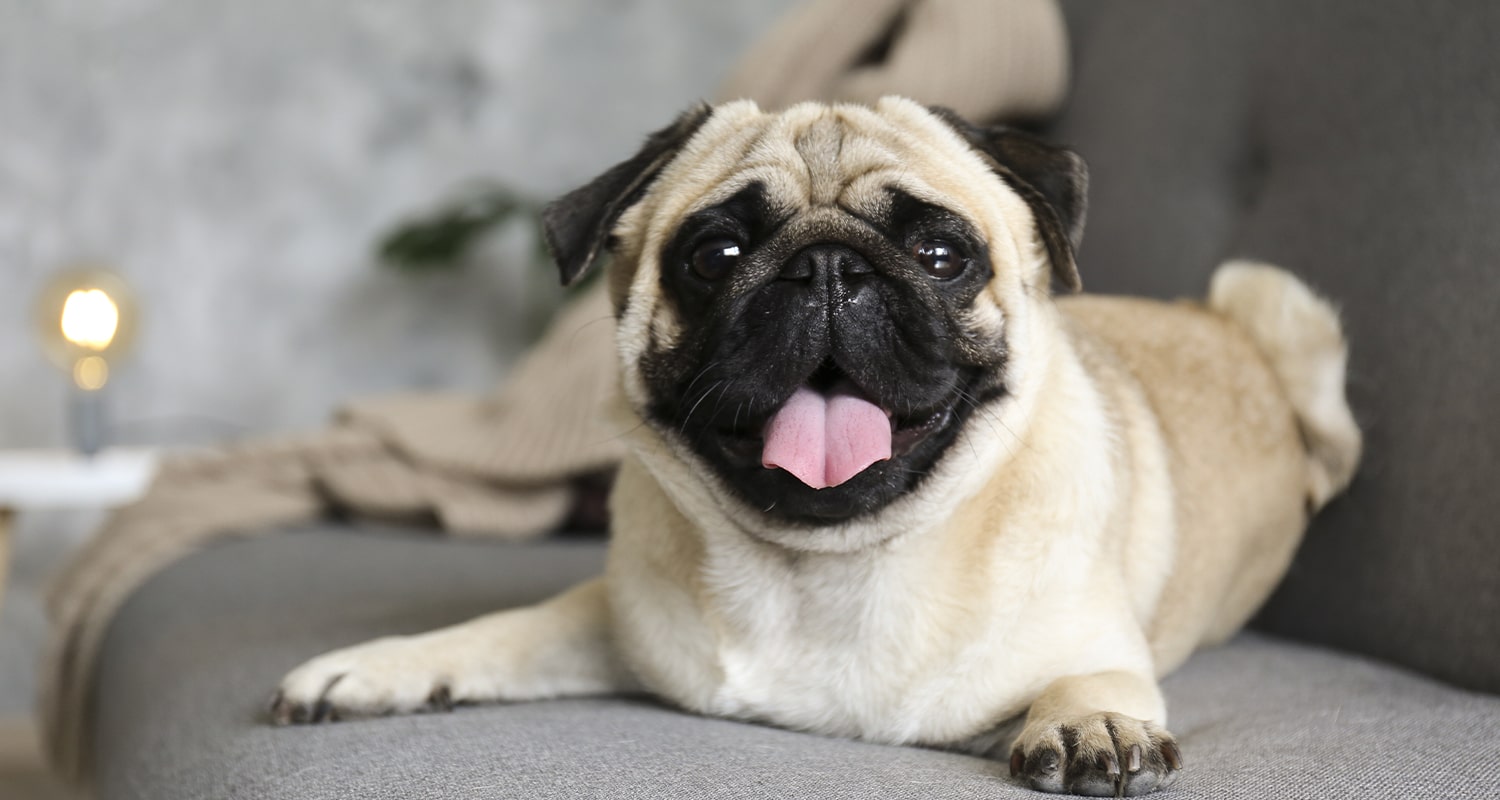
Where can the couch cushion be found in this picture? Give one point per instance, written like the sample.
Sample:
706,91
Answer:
190,663
1354,143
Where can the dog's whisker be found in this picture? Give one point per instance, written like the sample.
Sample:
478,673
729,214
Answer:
686,393
621,434
683,428
723,388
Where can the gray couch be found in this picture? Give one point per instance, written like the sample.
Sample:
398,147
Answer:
192,659
1355,142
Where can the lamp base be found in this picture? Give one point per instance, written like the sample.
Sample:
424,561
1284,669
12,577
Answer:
86,415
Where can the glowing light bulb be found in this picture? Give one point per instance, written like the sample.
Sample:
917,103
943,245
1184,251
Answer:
90,318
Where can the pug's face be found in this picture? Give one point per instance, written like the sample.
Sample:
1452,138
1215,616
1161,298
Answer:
814,305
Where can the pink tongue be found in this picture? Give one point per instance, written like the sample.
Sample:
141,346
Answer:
825,440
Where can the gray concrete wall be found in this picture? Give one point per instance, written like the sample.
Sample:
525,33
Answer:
235,160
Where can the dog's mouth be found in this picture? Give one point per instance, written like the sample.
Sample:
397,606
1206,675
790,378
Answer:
830,430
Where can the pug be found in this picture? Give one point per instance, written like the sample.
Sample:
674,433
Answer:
891,478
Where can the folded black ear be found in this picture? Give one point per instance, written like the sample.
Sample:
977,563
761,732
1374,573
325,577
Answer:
578,224
1052,180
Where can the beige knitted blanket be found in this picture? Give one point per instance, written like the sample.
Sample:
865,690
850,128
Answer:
506,464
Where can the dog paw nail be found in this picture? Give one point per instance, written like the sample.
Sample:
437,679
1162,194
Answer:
1135,758
1172,754
1043,762
1109,764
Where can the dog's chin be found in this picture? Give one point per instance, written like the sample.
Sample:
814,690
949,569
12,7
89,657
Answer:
917,442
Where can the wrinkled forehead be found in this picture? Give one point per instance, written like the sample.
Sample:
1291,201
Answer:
846,156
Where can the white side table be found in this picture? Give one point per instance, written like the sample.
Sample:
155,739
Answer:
39,479
33,480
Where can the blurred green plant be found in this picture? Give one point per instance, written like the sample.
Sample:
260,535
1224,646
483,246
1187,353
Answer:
444,238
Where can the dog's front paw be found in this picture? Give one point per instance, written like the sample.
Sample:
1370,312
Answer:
1103,755
387,676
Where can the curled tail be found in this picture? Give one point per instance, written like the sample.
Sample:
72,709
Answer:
1299,334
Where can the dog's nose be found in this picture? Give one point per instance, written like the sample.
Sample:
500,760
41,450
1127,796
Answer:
819,262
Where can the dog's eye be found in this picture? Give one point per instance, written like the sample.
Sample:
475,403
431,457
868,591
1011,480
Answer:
714,258
940,259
